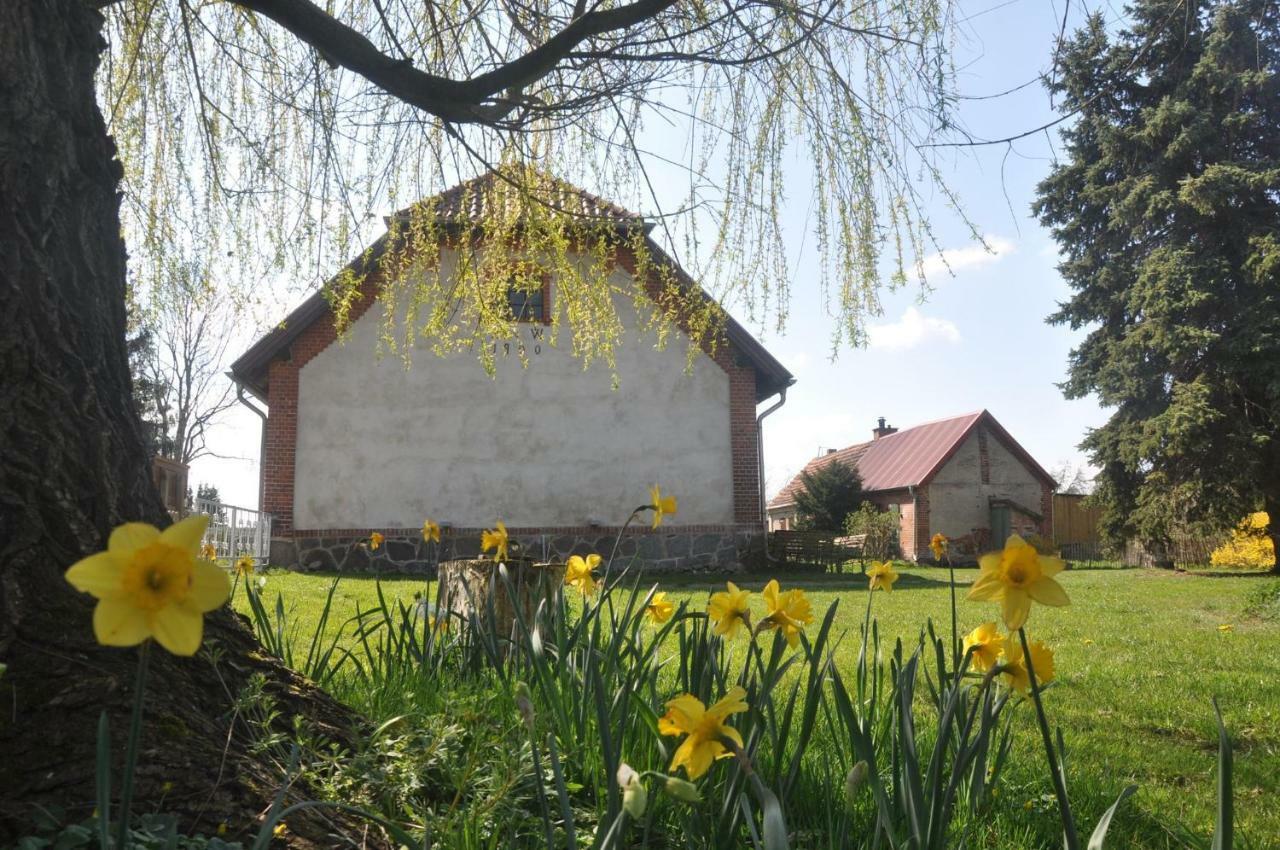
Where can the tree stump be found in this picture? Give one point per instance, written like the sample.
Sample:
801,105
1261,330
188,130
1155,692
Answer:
474,586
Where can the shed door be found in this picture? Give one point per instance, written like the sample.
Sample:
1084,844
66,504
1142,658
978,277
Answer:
999,525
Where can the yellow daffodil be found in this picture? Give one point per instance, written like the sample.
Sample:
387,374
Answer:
728,609
788,611
280,830
495,540
152,584
705,727
430,531
1015,577
244,565
938,546
209,552
579,573
662,505
660,608
1225,627
375,540
882,575
987,643
1015,669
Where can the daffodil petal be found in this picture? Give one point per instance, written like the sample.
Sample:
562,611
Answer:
734,701
178,629
97,574
988,586
989,563
685,711
117,623
186,533
1015,606
732,734
131,536
1051,566
1046,591
593,561
1014,540
210,587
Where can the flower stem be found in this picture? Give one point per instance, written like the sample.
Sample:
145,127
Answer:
1072,841
618,539
131,750
955,629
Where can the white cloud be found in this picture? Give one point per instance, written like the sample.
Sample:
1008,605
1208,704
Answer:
911,330
969,257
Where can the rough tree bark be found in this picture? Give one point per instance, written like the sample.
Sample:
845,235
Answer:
73,465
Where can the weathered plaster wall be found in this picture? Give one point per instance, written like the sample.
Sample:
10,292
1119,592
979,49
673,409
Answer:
379,446
959,497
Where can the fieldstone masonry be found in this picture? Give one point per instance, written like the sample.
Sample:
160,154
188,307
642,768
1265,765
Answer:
404,551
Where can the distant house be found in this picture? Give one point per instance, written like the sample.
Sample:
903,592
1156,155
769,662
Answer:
355,444
965,477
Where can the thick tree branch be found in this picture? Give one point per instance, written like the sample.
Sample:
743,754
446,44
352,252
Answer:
460,101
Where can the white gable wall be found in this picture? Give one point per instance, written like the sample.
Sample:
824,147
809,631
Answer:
958,500
379,446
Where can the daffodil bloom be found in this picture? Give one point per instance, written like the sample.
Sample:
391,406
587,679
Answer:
152,584
705,727
209,552
728,609
244,565
430,531
495,540
660,608
1015,577
987,644
788,611
1226,627
1014,667
938,545
375,540
882,576
579,573
662,505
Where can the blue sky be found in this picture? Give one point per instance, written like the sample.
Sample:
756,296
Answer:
977,340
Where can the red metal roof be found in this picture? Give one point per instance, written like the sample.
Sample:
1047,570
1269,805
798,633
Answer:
908,458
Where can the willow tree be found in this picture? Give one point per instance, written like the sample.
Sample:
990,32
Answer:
265,138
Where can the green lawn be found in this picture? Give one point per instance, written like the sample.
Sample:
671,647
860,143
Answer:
1140,656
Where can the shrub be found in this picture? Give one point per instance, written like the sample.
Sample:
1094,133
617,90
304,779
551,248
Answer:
1250,546
880,527
830,493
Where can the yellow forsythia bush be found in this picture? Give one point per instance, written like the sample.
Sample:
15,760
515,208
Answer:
1249,546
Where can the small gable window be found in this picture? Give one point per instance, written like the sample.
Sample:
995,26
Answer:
529,299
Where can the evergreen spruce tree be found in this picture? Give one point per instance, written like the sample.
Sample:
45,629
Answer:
830,494
1166,206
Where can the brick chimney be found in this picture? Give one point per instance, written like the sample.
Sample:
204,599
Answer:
882,430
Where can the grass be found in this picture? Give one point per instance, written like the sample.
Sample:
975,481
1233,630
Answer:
1140,656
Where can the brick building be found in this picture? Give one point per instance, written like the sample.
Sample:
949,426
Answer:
354,443
965,477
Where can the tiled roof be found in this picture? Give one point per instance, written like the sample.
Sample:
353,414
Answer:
907,458
477,199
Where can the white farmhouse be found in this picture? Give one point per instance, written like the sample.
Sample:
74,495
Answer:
354,443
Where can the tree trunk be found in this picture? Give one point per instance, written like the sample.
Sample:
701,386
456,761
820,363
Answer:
73,465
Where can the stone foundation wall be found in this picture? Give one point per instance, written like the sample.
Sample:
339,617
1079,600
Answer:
723,549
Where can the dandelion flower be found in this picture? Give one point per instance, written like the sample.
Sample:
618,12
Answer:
495,540
788,611
705,727
882,575
152,584
662,505
728,609
1017,576
987,644
579,572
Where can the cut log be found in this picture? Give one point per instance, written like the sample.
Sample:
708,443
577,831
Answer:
475,587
